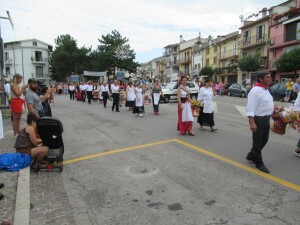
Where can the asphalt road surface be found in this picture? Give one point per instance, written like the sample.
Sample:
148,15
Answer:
121,169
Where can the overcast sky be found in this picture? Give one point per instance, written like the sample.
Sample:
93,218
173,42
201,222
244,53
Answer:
149,25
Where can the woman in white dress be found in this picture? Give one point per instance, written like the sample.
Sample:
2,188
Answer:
139,102
205,95
130,95
185,116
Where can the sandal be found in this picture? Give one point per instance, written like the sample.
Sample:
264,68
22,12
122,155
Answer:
297,152
191,133
213,129
201,128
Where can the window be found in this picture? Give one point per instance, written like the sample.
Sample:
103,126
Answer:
260,33
7,71
215,60
216,49
274,53
224,52
207,62
39,71
245,54
246,37
234,48
6,55
190,85
207,51
292,33
175,60
258,51
37,56
34,43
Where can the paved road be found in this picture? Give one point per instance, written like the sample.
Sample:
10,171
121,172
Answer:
144,172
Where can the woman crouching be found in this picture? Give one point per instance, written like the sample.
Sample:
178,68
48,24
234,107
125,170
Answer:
28,143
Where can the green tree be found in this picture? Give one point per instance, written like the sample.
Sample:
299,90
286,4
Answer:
105,57
249,63
67,58
207,71
289,62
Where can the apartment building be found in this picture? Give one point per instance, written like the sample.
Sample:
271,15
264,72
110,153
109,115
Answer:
229,54
284,36
254,42
29,58
171,55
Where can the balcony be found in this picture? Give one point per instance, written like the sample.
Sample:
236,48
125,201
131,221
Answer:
40,75
185,60
283,41
8,61
249,42
272,65
39,60
232,53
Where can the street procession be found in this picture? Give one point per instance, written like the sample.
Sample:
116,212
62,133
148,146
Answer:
150,113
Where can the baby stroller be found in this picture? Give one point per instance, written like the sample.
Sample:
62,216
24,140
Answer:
50,130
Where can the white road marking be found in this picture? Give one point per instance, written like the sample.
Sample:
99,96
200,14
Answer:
241,109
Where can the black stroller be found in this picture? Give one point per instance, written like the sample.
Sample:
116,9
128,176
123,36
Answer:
50,130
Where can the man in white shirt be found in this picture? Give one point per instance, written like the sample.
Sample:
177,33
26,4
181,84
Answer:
104,91
89,91
115,95
259,108
82,88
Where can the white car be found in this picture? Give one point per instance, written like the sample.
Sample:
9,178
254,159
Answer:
170,91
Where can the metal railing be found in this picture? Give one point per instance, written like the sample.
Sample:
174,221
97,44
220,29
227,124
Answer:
39,59
230,53
185,59
8,60
40,75
254,40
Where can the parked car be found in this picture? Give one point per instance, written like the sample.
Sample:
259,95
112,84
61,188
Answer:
170,91
278,91
238,90
225,89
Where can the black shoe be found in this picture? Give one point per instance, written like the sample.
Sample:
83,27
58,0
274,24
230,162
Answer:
118,111
262,168
112,109
1,196
250,157
1,185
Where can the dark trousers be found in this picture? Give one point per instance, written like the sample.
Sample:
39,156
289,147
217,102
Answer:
71,95
155,107
260,137
89,96
83,96
105,97
116,97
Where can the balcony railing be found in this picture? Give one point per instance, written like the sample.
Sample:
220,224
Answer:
254,40
40,75
8,60
230,53
39,60
283,40
185,59
272,64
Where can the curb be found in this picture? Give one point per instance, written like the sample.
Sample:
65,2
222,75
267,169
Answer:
22,208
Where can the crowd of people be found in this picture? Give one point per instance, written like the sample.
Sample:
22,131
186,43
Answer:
36,98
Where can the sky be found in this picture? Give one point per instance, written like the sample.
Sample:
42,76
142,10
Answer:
150,25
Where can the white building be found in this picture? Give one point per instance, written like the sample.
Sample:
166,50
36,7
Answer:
30,58
172,62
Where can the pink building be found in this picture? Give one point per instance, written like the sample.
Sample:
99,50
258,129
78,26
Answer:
284,33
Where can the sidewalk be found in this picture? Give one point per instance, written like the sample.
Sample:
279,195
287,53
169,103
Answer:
48,202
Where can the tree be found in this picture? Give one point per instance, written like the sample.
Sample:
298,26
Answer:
289,62
67,58
249,63
207,71
106,57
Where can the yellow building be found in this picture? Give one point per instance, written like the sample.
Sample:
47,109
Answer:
229,54
254,42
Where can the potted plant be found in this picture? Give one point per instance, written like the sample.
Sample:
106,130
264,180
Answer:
195,104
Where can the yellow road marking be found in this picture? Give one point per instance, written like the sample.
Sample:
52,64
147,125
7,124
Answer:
118,151
241,166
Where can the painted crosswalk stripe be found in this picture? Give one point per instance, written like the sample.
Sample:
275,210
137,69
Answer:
241,109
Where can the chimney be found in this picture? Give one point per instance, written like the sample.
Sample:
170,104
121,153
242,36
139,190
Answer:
180,38
264,12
